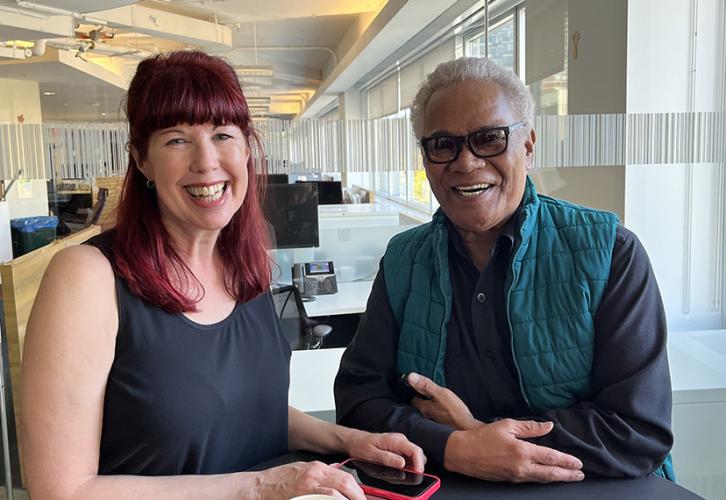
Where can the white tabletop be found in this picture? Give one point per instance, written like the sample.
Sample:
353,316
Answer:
698,366
350,299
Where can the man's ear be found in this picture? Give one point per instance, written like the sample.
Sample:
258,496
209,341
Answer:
529,146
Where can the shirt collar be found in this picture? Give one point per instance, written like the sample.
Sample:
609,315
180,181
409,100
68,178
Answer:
505,242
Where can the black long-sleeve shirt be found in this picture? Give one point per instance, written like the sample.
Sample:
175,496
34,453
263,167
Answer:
623,430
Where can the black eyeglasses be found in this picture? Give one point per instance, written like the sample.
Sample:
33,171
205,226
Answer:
484,143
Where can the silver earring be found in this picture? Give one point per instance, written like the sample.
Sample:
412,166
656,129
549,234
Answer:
150,184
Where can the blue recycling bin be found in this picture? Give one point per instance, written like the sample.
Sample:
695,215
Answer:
29,233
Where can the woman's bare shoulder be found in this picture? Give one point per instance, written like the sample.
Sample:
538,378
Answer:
80,266
78,287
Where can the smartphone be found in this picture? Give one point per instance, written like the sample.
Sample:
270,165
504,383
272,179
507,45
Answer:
391,483
404,381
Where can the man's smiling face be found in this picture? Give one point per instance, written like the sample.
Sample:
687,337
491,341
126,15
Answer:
477,194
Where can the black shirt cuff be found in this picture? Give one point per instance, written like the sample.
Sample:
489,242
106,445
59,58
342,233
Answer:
431,437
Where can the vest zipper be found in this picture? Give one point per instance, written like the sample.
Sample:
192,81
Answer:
510,274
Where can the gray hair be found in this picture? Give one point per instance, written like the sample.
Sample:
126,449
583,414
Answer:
477,69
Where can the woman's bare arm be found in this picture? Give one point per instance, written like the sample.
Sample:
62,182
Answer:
69,349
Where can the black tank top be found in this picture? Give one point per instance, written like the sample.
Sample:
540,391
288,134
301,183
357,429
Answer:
185,398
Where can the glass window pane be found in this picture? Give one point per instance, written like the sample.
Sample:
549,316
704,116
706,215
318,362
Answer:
501,43
397,186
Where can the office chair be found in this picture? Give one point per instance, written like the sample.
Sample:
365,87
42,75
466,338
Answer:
95,212
302,332
76,222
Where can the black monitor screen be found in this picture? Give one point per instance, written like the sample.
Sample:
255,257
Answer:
277,179
292,209
329,192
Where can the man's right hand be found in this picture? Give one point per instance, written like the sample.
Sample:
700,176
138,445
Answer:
496,452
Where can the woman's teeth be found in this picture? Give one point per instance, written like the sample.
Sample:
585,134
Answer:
471,191
207,193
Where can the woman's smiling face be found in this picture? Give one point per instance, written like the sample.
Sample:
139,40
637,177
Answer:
200,173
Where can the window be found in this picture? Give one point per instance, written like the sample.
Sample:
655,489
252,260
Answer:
410,185
502,43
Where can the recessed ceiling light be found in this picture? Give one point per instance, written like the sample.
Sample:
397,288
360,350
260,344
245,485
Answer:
103,114
97,104
47,92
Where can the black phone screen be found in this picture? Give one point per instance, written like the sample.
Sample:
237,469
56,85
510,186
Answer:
411,484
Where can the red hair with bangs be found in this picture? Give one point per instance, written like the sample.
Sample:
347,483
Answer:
194,88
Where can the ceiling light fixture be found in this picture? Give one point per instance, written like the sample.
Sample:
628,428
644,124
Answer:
254,71
258,102
48,92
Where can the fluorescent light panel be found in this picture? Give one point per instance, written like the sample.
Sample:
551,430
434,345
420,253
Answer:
254,71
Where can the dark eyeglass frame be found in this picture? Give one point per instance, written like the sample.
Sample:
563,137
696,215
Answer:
461,139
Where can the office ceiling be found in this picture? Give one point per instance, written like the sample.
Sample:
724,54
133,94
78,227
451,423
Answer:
295,48
68,89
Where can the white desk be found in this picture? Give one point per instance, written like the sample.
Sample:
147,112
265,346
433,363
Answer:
356,216
698,376
350,299
698,366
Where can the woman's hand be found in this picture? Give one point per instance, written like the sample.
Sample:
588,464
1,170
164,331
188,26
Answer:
443,405
391,449
300,478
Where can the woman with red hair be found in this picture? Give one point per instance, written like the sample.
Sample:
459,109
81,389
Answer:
165,375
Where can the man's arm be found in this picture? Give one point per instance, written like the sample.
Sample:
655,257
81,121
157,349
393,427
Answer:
625,430
369,396
367,391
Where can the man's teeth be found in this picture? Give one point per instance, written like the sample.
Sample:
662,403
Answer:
207,193
473,190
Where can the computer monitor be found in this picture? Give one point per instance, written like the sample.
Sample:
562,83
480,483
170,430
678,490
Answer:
329,192
292,210
277,179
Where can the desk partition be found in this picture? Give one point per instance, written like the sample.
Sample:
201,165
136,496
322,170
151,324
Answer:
354,240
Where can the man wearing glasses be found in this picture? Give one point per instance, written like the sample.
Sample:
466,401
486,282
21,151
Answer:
515,337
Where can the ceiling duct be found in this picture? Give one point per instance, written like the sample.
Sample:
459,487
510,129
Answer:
14,53
17,24
76,5
168,25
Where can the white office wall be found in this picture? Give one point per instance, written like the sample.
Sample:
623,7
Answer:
676,64
20,103
673,66
575,184
19,97
596,77
659,44
596,82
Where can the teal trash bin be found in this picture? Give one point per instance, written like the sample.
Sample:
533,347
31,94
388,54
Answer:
30,233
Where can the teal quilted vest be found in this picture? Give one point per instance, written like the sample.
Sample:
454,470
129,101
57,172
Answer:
551,301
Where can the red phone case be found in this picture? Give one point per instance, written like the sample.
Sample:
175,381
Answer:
389,495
